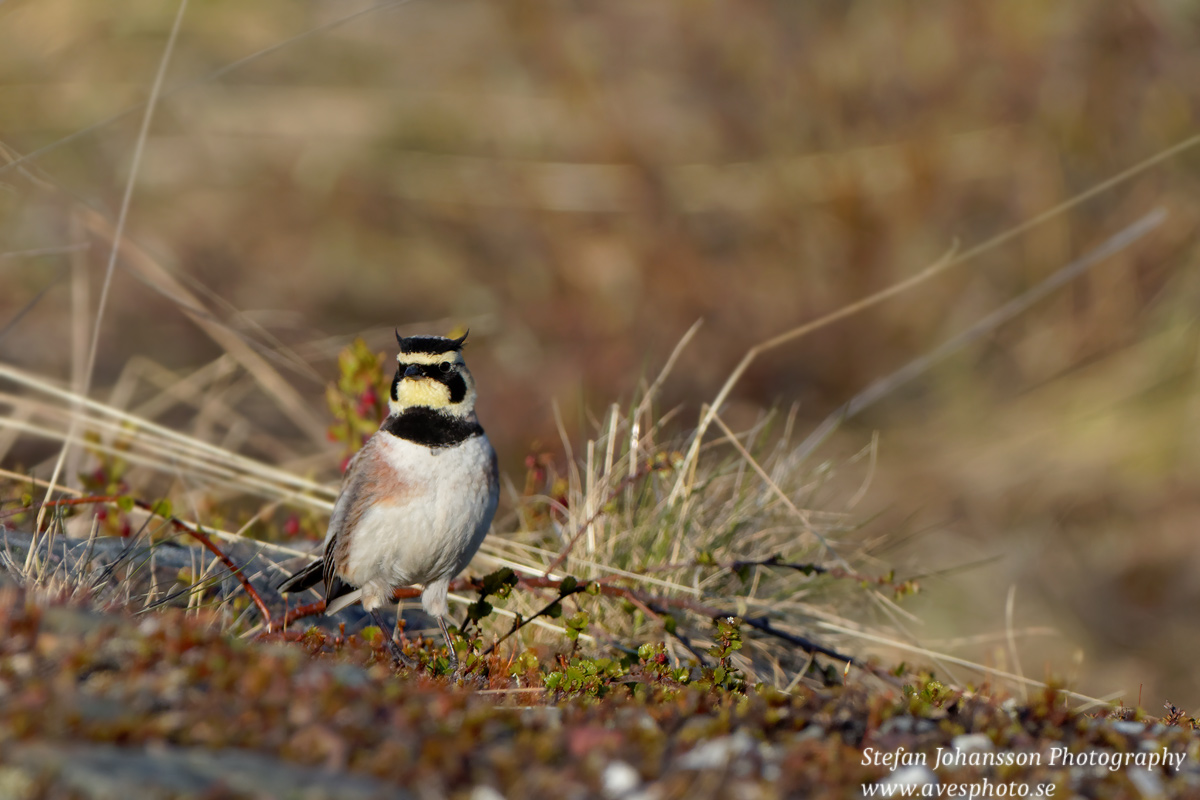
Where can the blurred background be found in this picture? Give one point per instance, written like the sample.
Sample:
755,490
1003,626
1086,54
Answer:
579,183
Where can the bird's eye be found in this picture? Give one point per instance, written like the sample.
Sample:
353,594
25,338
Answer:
444,367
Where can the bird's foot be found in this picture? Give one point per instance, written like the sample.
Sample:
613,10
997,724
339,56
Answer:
398,656
457,668
463,676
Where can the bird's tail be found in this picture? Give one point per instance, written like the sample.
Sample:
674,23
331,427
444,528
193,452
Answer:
306,578
337,601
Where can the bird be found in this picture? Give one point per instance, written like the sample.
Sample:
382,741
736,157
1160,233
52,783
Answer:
417,499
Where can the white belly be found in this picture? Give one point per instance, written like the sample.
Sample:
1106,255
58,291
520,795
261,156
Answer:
430,533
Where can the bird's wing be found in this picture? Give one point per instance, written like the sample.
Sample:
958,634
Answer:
370,479
353,470
347,510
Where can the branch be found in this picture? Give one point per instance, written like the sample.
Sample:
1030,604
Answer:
808,568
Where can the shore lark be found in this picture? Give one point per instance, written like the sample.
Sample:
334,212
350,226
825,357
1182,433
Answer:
417,499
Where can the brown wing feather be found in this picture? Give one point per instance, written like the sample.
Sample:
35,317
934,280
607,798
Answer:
370,479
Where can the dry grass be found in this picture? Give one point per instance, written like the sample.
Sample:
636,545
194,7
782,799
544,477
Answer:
692,531
619,181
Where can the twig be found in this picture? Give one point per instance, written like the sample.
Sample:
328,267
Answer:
658,603
758,623
562,595
815,569
300,612
657,617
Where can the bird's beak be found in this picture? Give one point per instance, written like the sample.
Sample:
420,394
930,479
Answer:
412,372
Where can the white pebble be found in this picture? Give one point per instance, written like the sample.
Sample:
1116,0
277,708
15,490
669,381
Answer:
619,779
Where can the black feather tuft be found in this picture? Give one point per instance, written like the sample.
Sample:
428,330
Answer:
433,345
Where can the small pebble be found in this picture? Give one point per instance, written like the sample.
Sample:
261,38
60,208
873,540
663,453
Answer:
1149,784
618,780
907,724
972,742
485,792
1129,728
717,753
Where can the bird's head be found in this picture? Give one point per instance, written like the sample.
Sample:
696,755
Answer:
430,372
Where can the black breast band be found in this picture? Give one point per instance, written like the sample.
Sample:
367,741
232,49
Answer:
425,426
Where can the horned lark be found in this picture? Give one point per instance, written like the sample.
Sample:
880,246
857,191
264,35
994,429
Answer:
417,499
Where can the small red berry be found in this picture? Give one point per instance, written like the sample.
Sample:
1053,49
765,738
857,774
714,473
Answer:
292,526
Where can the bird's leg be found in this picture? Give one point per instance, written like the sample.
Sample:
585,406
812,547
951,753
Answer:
397,654
449,645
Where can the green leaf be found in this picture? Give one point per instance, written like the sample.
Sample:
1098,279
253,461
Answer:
118,469
162,508
576,624
125,503
478,610
554,611
568,585
498,582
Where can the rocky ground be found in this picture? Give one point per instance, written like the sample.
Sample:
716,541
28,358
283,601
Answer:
117,704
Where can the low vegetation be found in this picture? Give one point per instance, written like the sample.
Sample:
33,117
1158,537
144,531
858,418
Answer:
623,645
